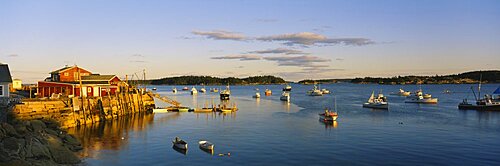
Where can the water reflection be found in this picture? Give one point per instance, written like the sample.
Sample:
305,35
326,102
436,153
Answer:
209,151
112,135
286,106
181,151
329,124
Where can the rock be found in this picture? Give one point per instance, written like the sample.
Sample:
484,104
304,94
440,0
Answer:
37,125
2,133
16,163
62,155
40,151
21,129
4,156
71,140
9,130
51,132
11,145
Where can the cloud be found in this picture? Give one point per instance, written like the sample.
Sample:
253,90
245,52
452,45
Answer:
12,55
309,38
279,51
247,57
303,61
220,35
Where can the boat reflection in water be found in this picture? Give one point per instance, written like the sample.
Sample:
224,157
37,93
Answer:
111,135
209,151
181,151
329,124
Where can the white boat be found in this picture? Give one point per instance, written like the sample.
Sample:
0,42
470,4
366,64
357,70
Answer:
183,109
185,88
154,89
174,90
206,145
179,143
287,88
257,95
380,102
203,90
403,93
325,91
160,110
224,94
315,92
194,91
285,96
419,97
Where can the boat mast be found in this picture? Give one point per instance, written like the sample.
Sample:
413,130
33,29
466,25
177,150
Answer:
479,87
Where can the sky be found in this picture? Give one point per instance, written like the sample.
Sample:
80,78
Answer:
292,39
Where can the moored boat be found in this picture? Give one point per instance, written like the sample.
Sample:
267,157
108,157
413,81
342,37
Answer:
224,94
160,110
179,143
421,98
403,92
185,88
206,145
268,92
325,91
330,115
257,95
488,103
285,96
183,109
315,91
154,89
203,90
174,90
380,102
194,91
287,88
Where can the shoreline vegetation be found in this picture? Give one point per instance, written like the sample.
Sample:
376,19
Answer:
489,76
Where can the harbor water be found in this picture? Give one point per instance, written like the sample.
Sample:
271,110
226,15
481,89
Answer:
268,131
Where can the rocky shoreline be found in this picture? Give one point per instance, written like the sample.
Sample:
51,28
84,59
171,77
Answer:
37,142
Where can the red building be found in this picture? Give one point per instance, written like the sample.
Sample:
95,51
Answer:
66,81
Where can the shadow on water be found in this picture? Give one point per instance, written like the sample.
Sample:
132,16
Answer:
181,151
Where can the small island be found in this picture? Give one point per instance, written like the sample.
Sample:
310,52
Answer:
209,80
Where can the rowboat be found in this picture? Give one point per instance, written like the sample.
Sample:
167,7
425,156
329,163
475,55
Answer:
160,110
179,143
206,145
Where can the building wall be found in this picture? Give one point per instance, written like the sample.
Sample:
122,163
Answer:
71,75
17,84
5,89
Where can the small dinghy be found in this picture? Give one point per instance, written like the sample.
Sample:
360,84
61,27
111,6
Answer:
179,143
205,145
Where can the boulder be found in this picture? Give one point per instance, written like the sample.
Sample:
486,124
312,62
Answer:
71,140
21,129
9,130
16,163
40,151
51,132
37,125
11,145
63,155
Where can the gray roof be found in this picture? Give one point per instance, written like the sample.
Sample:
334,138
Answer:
5,73
97,77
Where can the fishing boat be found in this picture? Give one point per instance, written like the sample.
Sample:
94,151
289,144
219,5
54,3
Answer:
185,88
380,102
403,92
285,96
160,110
179,143
224,94
174,90
268,92
315,91
330,115
194,91
287,88
206,145
325,91
488,103
421,98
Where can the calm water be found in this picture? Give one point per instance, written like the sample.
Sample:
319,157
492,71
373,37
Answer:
268,131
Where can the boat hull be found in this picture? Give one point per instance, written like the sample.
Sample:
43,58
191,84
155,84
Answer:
206,145
376,106
224,96
479,107
160,110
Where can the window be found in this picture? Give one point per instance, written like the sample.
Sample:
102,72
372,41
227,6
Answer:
66,74
1,90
